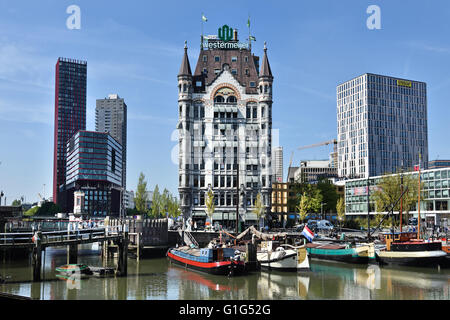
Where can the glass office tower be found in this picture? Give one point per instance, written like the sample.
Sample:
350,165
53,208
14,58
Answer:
382,125
94,166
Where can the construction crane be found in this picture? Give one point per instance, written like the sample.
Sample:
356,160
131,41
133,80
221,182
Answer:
334,142
325,143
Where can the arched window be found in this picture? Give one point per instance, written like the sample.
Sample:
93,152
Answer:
231,99
219,99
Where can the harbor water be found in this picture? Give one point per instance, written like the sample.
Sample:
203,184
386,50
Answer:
158,279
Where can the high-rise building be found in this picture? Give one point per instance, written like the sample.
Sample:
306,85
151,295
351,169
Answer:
111,117
225,130
277,159
94,167
382,125
70,116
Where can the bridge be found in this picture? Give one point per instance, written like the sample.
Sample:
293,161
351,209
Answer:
39,241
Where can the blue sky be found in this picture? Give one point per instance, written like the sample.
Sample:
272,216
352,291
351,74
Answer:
134,49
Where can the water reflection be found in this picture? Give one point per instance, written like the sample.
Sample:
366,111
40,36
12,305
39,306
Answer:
158,279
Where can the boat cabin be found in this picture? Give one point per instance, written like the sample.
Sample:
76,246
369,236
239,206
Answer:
389,238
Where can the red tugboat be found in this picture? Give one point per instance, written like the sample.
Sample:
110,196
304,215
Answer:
219,261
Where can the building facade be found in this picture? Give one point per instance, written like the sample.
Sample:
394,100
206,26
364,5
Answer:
94,167
277,159
382,125
436,164
70,116
311,171
435,195
111,117
225,122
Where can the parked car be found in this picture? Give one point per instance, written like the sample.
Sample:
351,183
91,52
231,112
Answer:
313,225
325,225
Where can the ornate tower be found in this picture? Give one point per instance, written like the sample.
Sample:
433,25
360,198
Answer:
265,81
184,128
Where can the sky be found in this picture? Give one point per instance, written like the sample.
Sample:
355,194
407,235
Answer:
135,48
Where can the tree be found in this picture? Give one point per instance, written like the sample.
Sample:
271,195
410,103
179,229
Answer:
329,194
340,209
389,191
141,195
302,208
210,207
156,203
16,203
312,194
258,208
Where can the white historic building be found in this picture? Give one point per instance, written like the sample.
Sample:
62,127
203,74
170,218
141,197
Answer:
225,124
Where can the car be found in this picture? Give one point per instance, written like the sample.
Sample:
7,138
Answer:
413,221
325,225
312,224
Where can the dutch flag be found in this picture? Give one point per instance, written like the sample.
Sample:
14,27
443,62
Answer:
308,233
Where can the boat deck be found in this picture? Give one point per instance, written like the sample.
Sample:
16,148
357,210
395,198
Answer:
329,246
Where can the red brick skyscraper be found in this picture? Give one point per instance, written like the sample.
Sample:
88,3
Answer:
70,116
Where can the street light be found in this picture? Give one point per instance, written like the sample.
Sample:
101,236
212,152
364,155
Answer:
321,208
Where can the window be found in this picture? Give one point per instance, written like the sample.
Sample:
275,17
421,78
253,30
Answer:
198,83
234,71
217,59
205,71
247,72
246,58
231,99
205,58
216,71
219,99
233,59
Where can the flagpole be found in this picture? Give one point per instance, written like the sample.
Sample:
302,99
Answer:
249,39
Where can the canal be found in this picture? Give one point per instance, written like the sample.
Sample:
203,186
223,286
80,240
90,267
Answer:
157,279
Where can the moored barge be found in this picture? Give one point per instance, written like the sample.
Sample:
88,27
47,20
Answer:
218,261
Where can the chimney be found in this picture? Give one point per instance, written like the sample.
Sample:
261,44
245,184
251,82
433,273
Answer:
235,34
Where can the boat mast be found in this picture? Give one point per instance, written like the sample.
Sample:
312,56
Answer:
368,207
418,220
401,199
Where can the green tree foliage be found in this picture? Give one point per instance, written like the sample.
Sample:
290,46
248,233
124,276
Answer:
302,208
258,209
389,190
156,203
16,202
210,207
340,209
329,194
141,198
312,194
48,209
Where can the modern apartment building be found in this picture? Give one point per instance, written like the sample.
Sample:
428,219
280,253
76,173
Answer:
225,123
111,117
94,167
381,125
70,116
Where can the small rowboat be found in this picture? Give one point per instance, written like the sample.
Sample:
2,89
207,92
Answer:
74,268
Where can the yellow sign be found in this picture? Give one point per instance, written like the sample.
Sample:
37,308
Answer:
404,83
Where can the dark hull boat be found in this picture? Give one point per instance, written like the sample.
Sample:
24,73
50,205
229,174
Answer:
218,261
403,249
